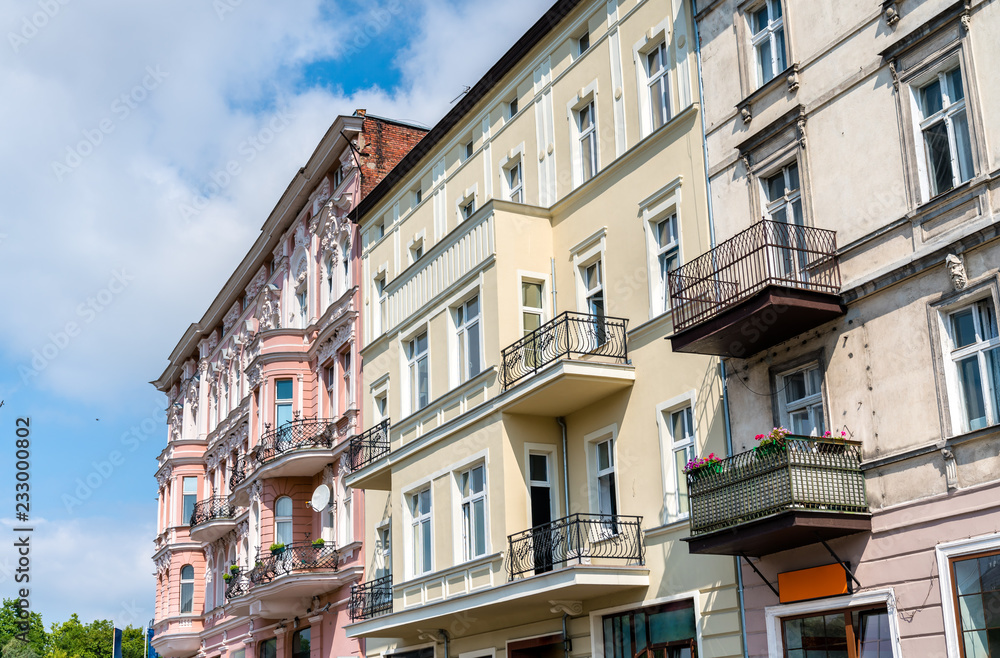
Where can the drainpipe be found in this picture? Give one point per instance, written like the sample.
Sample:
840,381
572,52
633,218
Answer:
722,365
444,634
565,461
552,268
566,646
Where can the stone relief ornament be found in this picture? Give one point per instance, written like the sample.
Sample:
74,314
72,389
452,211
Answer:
255,490
270,316
956,271
164,475
300,236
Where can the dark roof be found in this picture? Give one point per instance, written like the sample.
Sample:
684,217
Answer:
549,20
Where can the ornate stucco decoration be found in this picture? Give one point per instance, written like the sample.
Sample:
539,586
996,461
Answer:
163,563
746,113
571,608
328,475
255,490
163,475
231,317
256,283
956,271
300,237
950,468
270,311
793,78
242,530
255,377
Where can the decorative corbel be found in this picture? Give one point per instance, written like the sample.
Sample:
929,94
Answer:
793,78
890,12
950,468
745,112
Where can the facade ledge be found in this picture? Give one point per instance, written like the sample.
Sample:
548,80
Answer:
494,607
565,386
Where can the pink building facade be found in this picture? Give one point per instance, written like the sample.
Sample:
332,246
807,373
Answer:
258,540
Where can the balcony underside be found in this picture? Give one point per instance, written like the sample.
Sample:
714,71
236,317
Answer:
209,531
291,594
566,386
514,603
177,645
772,316
376,476
780,532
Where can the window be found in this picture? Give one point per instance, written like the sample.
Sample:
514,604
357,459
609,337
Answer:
800,401
331,389
379,318
515,185
593,283
656,82
472,485
420,513
469,149
783,203
416,357
469,339
283,521
976,355
381,401
583,43
944,127
269,648
680,425
532,310
662,631
187,589
282,402
976,592
379,229
345,367
847,633
667,256
302,306
345,530
300,643
416,251
588,140
468,207
767,26
512,108
418,196
607,500
383,552
190,497
338,176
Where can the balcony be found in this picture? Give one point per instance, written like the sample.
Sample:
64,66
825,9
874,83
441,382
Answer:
212,518
584,557
364,450
567,364
765,501
371,599
576,539
763,286
240,472
298,448
238,584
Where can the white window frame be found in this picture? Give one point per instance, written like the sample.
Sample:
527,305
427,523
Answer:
466,330
189,582
597,617
592,292
946,114
587,140
418,196
542,311
674,509
960,419
757,39
587,100
592,441
466,515
383,546
381,297
411,372
787,200
659,206
468,149
463,205
809,403
380,391
554,483
332,390
656,84
512,108
345,515
302,305
774,615
278,520
944,553
185,493
425,523
514,178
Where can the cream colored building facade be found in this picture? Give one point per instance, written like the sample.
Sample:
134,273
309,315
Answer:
529,499
864,133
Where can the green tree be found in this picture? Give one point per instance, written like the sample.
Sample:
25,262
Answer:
133,642
80,640
15,648
10,626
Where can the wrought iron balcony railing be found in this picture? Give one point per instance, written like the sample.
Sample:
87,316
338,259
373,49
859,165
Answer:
294,558
238,584
371,599
368,446
241,469
805,474
567,334
766,254
575,539
216,507
294,435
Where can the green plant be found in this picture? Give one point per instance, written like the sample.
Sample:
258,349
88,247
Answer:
277,548
227,576
234,568
710,464
773,441
318,542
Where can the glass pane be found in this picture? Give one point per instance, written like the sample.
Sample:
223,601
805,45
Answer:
474,358
680,422
779,47
187,572
421,343
477,479
975,644
609,638
584,118
187,597
283,532
971,612
793,177
930,99
269,648
991,609
987,320
283,506
963,146
666,232
422,397
641,636
425,531
531,322
283,389
939,157
531,294
956,92
538,468
963,328
971,382
760,19
671,626
465,484
680,460
775,9
425,501
795,386
989,570
775,186
479,519
764,61
967,576
815,381
603,456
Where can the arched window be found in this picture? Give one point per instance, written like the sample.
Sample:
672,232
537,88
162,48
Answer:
283,521
187,588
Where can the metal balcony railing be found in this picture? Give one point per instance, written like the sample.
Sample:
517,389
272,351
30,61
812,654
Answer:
238,584
575,539
294,558
371,599
766,254
567,334
216,507
368,446
294,435
241,469
805,474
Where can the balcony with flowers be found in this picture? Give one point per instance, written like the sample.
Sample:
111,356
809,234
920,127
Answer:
786,492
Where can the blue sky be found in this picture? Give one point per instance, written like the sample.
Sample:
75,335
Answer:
115,117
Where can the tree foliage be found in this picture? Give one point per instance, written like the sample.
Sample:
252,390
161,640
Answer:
10,627
70,639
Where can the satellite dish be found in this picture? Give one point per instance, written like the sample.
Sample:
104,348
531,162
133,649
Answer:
320,498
